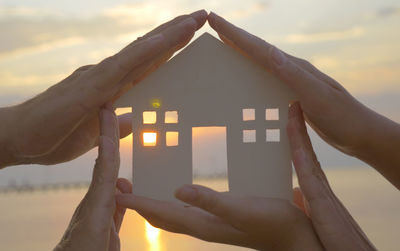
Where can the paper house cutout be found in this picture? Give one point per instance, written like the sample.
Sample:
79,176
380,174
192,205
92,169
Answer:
210,84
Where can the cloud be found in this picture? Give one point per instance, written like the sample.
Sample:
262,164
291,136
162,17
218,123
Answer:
248,10
27,28
388,11
24,28
318,37
23,11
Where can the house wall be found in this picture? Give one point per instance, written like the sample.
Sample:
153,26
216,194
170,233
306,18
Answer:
159,170
209,84
259,168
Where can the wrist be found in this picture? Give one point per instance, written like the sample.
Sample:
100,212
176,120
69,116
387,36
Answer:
380,146
8,153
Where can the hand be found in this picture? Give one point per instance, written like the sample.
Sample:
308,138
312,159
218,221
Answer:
61,123
254,222
335,227
318,221
96,222
329,109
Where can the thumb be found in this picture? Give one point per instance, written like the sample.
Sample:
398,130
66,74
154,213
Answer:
335,227
105,172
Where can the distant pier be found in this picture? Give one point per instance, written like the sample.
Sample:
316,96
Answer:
26,188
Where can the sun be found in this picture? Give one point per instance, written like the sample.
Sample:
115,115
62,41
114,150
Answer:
152,233
152,236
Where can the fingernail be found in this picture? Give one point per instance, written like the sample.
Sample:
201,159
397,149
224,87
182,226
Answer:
199,13
186,193
278,57
212,19
199,16
188,21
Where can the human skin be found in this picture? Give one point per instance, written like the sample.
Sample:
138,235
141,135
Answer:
317,220
61,123
329,109
97,220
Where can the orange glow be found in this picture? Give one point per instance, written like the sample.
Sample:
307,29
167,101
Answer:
152,233
172,138
149,117
149,138
123,110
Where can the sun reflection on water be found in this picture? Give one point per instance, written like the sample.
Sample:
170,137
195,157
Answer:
153,237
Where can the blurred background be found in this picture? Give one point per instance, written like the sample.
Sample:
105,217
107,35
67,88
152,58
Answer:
356,42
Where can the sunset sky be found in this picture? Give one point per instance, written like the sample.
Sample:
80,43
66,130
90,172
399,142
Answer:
356,42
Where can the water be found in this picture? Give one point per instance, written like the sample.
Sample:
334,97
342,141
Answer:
37,220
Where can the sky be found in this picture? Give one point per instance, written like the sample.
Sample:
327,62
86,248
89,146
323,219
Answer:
356,42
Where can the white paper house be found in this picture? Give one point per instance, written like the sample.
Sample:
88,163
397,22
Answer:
210,84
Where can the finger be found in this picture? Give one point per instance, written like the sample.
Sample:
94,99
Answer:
105,173
125,124
335,226
113,73
241,212
114,241
123,186
299,61
300,144
169,37
178,218
207,199
109,126
200,16
247,214
267,56
104,76
170,29
298,199
303,140
83,68
314,71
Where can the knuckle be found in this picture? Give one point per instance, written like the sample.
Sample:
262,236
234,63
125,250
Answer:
305,63
110,160
118,66
297,71
82,68
111,63
105,64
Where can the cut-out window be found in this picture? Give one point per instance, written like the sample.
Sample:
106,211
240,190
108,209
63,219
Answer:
171,117
273,135
249,114
172,138
209,157
272,114
149,117
249,136
149,139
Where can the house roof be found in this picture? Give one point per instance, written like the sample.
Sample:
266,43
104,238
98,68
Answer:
207,75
